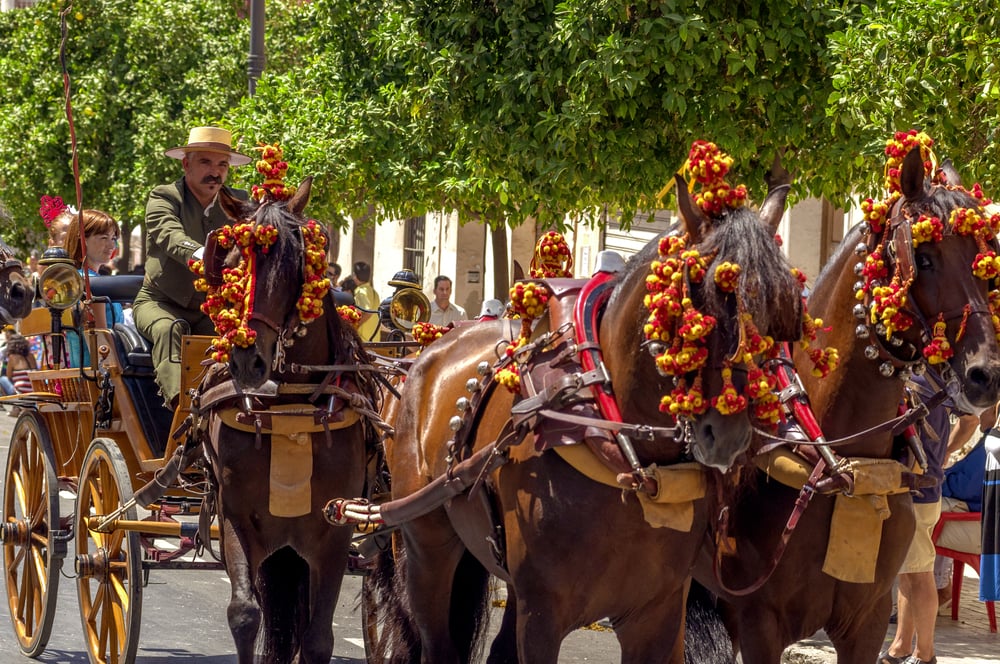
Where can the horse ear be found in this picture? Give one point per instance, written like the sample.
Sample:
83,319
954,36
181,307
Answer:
911,176
951,176
298,202
234,208
773,207
695,221
777,175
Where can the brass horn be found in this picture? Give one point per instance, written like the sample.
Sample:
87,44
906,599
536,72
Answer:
408,307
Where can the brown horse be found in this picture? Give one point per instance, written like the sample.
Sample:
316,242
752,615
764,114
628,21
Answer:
16,293
799,598
571,549
282,439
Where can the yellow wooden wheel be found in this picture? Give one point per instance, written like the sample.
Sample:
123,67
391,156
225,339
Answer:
32,548
108,564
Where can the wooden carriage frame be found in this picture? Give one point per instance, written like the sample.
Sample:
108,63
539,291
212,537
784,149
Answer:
101,433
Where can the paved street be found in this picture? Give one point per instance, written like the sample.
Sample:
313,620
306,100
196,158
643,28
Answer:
183,617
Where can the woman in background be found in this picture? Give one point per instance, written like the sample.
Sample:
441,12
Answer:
100,232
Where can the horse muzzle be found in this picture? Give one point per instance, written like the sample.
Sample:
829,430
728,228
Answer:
249,368
720,439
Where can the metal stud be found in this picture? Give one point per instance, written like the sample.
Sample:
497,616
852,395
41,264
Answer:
483,368
886,369
862,331
462,404
871,352
861,248
472,385
455,423
860,311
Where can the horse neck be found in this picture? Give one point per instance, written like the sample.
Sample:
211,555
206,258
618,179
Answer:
855,396
637,385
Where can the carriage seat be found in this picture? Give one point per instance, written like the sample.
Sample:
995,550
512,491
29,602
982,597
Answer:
136,351
117,288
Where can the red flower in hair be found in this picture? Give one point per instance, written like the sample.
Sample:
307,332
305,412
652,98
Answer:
51,207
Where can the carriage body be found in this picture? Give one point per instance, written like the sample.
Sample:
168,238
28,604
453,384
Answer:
85,440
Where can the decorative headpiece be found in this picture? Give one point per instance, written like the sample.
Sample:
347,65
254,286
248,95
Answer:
50,208
679,331
884,296
273,167
230,304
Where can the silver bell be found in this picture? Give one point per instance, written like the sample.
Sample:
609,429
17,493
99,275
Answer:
656,348
871,352
860,311
472,385
462,404
859,269
919,368
862,331
861,248
483,368
880,330
858,285
886,369
905,373
455,423
896,341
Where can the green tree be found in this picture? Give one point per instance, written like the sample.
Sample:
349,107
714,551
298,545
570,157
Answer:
932,65
142,72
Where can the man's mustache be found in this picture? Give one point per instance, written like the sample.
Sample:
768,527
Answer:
211,179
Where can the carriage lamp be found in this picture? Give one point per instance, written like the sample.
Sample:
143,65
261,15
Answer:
60,286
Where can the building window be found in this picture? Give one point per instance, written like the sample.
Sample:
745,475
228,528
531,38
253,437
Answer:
413,245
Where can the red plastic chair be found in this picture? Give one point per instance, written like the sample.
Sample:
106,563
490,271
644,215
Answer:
961,559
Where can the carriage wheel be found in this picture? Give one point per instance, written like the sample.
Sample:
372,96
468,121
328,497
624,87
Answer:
32,552
108,565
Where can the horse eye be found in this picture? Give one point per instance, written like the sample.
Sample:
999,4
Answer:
924,262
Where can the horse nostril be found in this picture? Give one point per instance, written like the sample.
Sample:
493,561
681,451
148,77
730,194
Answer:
983,377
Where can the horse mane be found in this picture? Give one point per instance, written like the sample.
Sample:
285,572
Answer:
940,200
6,251
344,340
767,288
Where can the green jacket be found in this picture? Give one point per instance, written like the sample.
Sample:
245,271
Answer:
176,227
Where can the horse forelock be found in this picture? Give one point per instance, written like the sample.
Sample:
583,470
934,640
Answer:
767,290
939,201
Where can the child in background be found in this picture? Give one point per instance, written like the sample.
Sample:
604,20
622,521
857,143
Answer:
19,362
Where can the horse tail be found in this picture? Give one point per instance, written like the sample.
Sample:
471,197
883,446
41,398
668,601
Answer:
283,586
706,639
470,601
390,630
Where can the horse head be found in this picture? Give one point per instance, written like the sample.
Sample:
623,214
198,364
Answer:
931,281
16,292
282,267
731,278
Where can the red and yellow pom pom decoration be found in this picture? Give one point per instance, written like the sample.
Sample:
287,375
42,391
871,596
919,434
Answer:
230,304
553,257
887,295
273,167
350,314
427,333
708,166
938,350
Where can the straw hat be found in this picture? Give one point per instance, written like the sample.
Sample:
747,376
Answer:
210,139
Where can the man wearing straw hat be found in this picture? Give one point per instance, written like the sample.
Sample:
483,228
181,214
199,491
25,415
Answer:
179,217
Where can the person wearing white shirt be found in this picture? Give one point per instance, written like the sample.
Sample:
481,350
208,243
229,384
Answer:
443,311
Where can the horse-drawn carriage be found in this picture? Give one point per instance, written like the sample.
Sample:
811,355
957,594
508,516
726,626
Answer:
93,433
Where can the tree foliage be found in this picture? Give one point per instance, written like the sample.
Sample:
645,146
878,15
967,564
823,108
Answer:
141,72
504,110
